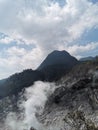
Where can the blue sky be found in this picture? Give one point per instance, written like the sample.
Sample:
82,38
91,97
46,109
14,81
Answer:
30,30
94,1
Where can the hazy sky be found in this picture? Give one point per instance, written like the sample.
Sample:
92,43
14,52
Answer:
31,29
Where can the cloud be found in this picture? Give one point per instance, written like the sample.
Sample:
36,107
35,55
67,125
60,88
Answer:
77,50
17,59
6,40
55,26
15,51
46,26
49,24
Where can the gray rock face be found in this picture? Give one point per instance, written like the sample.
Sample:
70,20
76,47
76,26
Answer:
32,128
74,105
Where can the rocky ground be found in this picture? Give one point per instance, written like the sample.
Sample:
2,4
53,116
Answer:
74,104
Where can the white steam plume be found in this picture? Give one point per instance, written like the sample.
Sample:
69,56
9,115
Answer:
36,97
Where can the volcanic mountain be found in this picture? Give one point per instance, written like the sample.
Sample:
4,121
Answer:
70,103
56,64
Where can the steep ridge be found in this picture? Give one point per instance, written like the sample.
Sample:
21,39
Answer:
15,83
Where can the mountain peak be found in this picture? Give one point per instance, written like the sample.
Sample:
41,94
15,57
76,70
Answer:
57,64
59,52
58,57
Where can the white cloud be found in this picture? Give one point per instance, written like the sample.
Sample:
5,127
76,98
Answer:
15,51
17,59
49,24
45,25
77,50
87,20
6,40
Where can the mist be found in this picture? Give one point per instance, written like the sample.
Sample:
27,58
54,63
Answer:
33,103
36,99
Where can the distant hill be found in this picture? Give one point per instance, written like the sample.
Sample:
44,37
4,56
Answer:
90,58
56,65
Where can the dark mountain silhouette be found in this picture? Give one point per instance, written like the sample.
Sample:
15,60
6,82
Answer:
56,64
58,57
18,81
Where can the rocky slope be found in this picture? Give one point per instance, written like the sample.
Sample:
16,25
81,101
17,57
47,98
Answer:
74,104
